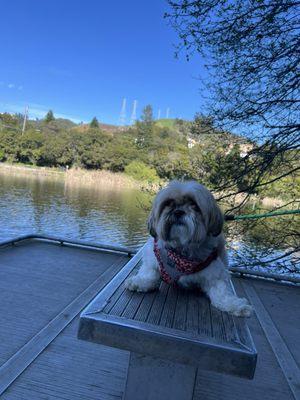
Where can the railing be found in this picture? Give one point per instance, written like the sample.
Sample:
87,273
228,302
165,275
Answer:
68,242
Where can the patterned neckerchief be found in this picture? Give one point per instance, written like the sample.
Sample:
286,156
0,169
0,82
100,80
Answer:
172,265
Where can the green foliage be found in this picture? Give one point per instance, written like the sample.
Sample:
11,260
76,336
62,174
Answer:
49,116
166,123
147,115
140,171
9,145
30,146
202,125
147,151
94,123
2,155
9,119
145,128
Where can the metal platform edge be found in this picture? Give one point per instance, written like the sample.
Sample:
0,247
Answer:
234,359
71,243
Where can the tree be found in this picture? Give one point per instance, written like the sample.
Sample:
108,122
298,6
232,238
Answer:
49,116
145,127
94,123
202,125
254,52
252,48
147,115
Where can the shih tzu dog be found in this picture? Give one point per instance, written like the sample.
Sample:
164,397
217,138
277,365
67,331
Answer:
187,247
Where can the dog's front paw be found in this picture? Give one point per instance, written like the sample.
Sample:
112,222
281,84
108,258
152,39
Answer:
243,309
140,284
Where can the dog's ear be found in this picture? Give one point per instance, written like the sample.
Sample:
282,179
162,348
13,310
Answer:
151,225
216,219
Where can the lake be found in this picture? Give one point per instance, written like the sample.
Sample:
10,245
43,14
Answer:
49,205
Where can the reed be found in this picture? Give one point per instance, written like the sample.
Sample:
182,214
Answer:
100,179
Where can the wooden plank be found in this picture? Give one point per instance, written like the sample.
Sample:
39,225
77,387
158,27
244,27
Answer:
133,305
218,329
181,310
192,318
158,304
280,349
37,281
121,303
205,324
103,297
167,316
72,369
115,297
145,307
24,357
282,303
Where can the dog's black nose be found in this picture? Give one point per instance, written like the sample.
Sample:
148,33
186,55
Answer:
179,213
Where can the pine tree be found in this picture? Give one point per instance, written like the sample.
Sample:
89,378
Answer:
94,123
49,116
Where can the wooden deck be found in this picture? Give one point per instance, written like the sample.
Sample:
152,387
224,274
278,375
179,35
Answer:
44,287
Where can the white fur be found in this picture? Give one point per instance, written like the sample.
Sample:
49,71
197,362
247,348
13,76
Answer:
213,280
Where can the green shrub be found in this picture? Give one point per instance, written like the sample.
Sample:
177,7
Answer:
140,171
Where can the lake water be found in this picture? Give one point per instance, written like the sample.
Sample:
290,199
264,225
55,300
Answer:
45,205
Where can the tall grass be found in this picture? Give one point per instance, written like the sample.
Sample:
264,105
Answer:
99,178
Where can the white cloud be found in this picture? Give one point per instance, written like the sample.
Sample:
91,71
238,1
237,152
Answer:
11,85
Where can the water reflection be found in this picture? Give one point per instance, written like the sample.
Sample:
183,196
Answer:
49,205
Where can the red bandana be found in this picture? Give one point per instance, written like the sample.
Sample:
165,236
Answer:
177,265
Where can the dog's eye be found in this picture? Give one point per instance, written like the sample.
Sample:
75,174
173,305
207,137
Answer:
168,203
195,207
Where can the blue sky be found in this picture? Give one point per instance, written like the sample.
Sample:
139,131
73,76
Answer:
81,58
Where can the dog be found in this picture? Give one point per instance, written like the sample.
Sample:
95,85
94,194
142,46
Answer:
187,247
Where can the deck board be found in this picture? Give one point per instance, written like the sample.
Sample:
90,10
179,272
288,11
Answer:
72,369
269,382
283,303
37,281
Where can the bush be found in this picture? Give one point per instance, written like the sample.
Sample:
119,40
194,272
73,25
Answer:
140,171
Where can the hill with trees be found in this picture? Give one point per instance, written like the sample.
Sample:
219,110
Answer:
149,150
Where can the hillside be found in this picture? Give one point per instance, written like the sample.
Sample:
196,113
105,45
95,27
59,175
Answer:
163,149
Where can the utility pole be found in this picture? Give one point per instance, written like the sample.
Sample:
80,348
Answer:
123,113
25,120
133,115
158,114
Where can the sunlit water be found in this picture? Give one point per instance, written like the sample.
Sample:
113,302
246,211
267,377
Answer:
42,205
49,206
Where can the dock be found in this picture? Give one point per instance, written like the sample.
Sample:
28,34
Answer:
46,283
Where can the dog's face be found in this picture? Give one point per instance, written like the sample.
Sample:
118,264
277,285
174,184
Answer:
185,212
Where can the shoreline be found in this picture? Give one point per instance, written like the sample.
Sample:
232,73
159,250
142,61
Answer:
79,176
101,178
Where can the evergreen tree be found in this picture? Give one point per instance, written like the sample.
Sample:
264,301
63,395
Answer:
147,115
94,123
49,116
145,127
